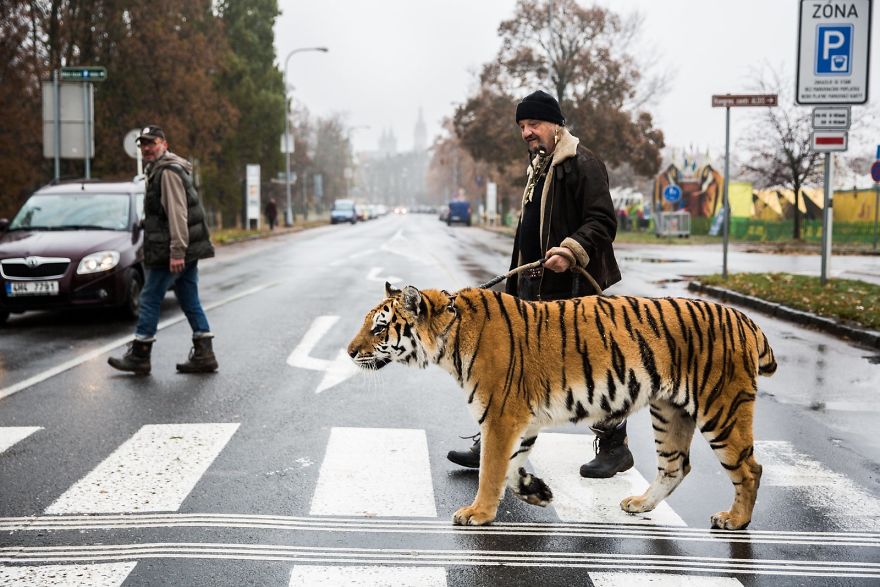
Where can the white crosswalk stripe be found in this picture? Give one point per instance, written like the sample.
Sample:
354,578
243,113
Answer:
10,435
368,576
97,575
576,499
153,471
601,579
397,481
849,506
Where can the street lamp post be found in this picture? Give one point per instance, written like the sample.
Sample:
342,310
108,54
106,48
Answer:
288,212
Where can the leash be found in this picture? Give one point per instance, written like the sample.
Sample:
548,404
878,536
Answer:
535,265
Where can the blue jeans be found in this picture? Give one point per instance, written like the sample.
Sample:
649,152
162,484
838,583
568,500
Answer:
186,288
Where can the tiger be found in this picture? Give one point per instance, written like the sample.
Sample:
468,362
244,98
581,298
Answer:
525,365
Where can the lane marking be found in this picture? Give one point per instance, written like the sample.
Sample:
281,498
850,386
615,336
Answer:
846,504
10,435
557,456
88,356
375,472
438,557
99,575
422,526
154,470
335,371
373,275
601,579
368,576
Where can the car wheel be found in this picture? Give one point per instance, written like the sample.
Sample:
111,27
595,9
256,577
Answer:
3,316
132,305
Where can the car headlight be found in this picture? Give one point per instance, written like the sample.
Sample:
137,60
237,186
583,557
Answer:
97,262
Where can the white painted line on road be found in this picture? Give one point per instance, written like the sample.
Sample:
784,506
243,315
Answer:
97,575
76,361
352,257
335,371
10,435
557,457
375,472
373,275
153,471
627,562
601,579
846,504
619,532
369,576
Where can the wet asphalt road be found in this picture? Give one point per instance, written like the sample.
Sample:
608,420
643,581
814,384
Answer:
817,520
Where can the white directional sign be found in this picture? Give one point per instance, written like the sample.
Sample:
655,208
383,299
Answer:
834,39
831,117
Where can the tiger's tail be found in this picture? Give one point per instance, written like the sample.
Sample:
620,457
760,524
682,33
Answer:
766,358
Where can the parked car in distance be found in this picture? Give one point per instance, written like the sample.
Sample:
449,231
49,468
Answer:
343,211
459,211
74,245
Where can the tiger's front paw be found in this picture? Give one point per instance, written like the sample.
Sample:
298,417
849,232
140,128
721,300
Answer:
532,489
636,504
727,521
472,516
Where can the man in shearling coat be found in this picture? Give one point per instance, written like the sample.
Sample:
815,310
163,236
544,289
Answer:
567,219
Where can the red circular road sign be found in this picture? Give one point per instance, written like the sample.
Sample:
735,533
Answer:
875,171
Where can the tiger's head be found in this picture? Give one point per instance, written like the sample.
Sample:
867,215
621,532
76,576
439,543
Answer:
409,326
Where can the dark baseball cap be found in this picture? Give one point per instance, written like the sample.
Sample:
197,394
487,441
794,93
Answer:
150,133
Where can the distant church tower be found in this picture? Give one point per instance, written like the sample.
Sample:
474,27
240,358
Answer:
388,143
420,137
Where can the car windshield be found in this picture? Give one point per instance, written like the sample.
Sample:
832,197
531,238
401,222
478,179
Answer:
343,205
73,211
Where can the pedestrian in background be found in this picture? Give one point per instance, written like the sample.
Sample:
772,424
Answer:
271,213
175,238
568,219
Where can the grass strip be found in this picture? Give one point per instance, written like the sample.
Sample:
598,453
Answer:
853,302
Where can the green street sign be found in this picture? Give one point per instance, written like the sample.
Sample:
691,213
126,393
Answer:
88,73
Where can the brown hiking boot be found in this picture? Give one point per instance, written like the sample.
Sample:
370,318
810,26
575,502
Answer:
201,357
136,359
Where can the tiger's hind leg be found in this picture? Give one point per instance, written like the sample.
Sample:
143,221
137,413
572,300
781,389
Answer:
728,429
673,431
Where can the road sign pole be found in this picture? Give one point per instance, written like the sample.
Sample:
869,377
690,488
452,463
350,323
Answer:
726,203
826,223
56,126
86,132
876,211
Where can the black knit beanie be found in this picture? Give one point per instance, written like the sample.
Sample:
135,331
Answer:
540,106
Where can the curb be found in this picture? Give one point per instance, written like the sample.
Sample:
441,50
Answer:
867,337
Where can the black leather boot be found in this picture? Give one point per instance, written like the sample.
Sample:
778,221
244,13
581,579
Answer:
470,457
136,359
201,357
612,454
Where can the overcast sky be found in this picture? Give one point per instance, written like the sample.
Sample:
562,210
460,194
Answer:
388,58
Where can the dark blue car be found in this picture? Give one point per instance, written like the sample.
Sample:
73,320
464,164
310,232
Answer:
459,211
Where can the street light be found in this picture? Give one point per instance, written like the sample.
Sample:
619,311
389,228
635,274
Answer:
288,213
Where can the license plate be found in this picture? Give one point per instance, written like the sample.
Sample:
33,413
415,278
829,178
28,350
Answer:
31,288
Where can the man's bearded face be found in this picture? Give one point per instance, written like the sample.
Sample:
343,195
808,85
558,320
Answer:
537,134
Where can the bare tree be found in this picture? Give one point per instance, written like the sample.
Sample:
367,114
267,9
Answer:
778,144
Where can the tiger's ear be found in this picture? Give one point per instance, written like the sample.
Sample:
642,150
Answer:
390,291
412,300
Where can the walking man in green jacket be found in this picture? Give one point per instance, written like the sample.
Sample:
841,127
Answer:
175,238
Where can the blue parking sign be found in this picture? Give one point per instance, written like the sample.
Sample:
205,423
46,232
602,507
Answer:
834,45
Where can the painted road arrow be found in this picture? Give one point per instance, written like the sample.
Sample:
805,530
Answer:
335,371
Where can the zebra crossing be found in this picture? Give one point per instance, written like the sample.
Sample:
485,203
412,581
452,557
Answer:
143,483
